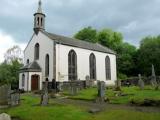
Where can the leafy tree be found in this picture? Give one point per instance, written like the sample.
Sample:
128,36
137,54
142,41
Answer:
148,54
110,39
87,34
9,72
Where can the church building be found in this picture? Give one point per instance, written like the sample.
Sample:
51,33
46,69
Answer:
50,57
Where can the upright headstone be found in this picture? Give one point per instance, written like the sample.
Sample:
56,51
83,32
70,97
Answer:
73,88
153,78
14,98
101,91
87,81
5,94
44,95
140,82
5,116
118,85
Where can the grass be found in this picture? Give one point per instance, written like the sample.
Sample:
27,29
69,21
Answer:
30,110
132,93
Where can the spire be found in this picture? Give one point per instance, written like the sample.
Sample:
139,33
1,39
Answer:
39,19
39,7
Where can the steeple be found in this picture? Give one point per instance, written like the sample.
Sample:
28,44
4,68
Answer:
39,19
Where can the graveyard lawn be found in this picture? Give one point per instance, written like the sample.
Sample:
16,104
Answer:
30,110
125,96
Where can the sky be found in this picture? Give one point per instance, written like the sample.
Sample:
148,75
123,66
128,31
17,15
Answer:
135,19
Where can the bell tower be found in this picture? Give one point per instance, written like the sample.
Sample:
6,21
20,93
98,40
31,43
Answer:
39,19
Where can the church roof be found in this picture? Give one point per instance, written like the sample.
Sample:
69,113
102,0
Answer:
78,43
32,67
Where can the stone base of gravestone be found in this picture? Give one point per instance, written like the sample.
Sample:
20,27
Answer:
5,116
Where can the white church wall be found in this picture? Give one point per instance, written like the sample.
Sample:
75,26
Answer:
83,64
46,47
25,81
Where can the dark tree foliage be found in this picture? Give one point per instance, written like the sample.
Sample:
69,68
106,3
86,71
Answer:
9,72
87,34
148,54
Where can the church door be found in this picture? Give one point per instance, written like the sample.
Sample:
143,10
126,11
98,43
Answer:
35,82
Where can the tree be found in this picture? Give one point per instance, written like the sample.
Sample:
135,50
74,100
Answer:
9,72
87,34
12,54
148,54
109,38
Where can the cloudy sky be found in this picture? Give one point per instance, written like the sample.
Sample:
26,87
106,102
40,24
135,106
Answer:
134,18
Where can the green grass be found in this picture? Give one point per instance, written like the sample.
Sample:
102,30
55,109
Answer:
133,93
30,110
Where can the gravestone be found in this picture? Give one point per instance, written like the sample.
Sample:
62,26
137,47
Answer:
5,116
87,81
118,85
4,94
140,82
73,89
44,94
153,78
101,91
14,98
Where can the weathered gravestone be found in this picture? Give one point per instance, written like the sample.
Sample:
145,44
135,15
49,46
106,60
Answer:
153,78
118,85
44,94
73,88
87,81
101,91
140,82
5,116
14,98
4,94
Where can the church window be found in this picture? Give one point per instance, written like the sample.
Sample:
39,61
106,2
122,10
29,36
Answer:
36,52
23,80
108,68
47,65
38,20
92,65
72,65
27,61
41,22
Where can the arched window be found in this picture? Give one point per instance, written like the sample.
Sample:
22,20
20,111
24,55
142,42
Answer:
23,80
72,65
36,51
38,21
27,61
41,22
108,68
92,66
47,65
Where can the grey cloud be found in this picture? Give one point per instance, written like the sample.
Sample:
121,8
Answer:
134,18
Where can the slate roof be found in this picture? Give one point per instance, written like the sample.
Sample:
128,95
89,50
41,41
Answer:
32,67
78,43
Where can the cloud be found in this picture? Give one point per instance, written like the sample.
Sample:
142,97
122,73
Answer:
134,18
7,42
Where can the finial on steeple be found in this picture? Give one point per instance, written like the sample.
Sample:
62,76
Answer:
39,7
